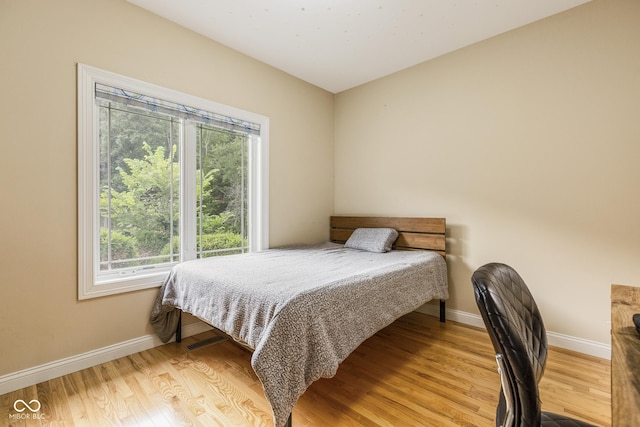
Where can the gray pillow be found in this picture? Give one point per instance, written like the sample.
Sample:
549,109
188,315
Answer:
372,239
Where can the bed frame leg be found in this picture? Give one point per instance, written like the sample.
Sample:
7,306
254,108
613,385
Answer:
442,311
179,329
289,422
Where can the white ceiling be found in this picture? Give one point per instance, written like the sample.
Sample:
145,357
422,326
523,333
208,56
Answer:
340,44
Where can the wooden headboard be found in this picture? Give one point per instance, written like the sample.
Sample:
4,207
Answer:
423,234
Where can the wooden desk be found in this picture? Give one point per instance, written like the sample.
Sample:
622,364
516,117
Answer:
625,357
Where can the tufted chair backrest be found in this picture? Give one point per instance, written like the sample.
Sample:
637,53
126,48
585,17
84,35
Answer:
519,339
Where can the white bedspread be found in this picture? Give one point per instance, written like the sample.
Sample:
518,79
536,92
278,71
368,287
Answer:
302,309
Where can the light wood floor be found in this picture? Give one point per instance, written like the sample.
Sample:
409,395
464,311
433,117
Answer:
416,372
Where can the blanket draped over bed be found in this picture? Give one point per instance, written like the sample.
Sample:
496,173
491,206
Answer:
302,309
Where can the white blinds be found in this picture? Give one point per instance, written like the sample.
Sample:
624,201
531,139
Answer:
174,109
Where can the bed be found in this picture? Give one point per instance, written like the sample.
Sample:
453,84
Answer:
304,309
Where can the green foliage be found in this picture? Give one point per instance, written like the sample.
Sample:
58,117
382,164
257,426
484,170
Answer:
147,208
212,224
122,246
226,153
226,240
140,179
123,132
214,236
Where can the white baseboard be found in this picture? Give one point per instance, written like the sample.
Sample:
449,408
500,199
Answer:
580,345
48,371
35,375
455,315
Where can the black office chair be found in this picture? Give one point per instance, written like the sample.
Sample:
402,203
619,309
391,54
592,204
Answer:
520,342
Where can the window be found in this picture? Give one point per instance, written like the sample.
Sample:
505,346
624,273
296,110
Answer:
163,177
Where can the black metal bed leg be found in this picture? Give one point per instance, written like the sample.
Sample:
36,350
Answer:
179,329
289,422
442,311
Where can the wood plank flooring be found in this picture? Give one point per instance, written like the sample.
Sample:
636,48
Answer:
416,372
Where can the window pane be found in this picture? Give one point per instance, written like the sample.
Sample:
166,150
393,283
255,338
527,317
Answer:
139,185
138,154
221,186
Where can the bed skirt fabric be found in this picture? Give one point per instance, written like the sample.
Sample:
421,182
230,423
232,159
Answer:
302,309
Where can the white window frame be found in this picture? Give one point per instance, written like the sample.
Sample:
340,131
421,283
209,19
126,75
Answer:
90,285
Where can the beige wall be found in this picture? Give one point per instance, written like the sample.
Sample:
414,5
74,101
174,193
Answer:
528,143
41,319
